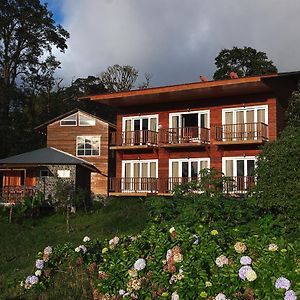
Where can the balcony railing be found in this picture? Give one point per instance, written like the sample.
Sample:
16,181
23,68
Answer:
242,132
184,135
15,194
134,138
239,184
133,185
137,185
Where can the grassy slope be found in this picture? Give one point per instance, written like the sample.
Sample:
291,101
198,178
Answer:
21,242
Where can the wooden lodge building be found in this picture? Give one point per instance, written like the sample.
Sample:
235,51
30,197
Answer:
87,137
77,150
166,135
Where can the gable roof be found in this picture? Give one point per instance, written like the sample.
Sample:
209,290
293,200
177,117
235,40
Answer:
43,126
198,90
46,156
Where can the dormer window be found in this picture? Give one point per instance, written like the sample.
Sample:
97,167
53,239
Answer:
69,121
85,120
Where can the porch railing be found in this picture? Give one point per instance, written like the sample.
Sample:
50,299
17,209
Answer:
182,135
134,138
15,194
235,184
242,132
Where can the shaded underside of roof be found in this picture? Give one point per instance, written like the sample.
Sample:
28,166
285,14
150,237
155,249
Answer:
45,156
197,90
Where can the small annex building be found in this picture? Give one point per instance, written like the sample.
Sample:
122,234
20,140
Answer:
84,136
38,170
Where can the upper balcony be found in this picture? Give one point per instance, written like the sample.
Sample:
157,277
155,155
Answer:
244,133
184,137
171,137
137,139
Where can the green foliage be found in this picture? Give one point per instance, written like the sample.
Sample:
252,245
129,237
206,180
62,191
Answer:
21,241
278,171
243,61
180,260
211,183
293,111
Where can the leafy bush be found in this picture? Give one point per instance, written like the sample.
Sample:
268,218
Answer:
278,173
178,263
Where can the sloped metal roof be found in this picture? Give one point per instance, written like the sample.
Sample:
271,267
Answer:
46,156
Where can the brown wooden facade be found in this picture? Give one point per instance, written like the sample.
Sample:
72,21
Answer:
217,141
65,138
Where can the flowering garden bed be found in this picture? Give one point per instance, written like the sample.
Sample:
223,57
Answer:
165,262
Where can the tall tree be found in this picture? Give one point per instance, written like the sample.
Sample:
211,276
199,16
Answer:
28,34
243,61
122,78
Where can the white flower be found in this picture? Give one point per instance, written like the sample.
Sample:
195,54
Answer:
86,239
140,264
169,254
251,275
121,292
77,249
113,242
220,296
245,260
82,248
38,273
273,247
221,261
48,250
171,230
175,296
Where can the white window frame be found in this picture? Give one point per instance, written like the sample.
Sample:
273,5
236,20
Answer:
86,137
245,108
199,112
132,162
133,118
235,159
87,125
64,125
181,160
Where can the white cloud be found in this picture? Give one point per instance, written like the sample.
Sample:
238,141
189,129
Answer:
176,40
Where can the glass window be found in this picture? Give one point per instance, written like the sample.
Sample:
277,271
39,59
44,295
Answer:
44,173
88,146
69,121
86,121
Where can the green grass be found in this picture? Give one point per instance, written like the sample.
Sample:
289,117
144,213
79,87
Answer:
20,242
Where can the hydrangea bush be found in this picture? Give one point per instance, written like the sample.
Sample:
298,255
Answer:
177,262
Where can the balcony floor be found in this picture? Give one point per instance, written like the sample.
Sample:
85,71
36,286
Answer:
241,142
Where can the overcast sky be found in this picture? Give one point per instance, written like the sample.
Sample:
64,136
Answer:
174,40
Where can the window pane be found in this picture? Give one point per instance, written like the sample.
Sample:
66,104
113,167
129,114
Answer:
144,124
86,121
261,115
194,169
240,168
80,152
184,172
69,121
175,171
229,168
250,167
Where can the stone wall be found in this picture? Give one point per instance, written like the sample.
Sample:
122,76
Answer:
47,184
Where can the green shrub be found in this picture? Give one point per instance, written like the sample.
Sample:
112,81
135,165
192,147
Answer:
278,175
165,261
